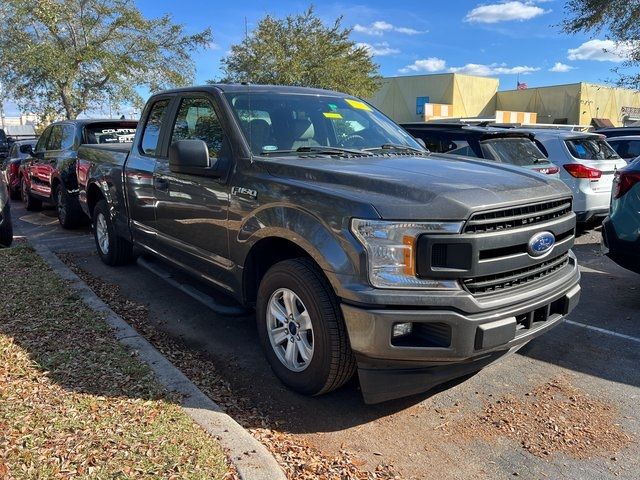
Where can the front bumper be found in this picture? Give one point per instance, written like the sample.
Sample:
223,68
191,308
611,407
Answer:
451,344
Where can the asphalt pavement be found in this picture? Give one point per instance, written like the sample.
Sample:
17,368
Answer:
597,351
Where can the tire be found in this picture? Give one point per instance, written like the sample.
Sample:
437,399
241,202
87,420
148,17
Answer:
6,228
332,362
68,208
117,250
30,203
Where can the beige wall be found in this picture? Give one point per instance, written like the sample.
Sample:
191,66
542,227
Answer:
598,101
470,96
549,103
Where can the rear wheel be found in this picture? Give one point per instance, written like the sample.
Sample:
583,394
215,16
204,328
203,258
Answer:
301,328
30,203
6,227
68,208
14,193
112,249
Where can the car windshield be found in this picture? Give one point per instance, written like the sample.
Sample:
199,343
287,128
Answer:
287,123
591,149
514,151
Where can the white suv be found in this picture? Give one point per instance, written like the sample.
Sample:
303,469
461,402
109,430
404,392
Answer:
587,165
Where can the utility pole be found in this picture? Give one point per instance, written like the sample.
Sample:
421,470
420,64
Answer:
1,107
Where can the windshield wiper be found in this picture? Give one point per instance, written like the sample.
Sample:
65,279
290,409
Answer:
396,146
319,149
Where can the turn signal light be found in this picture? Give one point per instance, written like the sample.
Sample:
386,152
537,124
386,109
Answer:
626,180
578,170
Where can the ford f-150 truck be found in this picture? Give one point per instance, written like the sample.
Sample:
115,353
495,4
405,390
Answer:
49,174
359,249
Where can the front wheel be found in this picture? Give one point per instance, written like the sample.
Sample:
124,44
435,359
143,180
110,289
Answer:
112,249
301,328
30,203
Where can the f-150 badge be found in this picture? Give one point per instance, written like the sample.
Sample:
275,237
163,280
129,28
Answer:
246,192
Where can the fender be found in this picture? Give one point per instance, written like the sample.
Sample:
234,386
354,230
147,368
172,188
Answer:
327,244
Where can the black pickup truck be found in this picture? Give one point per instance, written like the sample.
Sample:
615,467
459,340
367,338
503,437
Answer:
49,173
359,249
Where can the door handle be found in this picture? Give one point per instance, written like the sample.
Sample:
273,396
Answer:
161,184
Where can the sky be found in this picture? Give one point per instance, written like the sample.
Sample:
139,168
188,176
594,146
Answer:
496,38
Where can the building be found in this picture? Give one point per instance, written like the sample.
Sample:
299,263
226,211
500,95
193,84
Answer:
452,95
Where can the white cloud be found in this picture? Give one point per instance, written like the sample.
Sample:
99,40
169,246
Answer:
492,69
560,67
380,27
380,49
504,12
601,51
213,46
431,65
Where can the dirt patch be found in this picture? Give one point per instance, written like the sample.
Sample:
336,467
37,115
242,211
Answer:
299,459
552,418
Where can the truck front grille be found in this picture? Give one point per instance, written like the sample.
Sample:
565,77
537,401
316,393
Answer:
501,282
516,217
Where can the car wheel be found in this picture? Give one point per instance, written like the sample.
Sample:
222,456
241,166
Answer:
6,227
112,249
301,328
30,203
68,208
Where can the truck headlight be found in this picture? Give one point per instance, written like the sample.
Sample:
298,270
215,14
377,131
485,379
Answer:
391,252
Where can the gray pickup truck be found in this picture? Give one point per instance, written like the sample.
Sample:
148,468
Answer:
359,249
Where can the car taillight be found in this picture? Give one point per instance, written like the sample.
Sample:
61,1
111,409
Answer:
548,170
626,180
581,171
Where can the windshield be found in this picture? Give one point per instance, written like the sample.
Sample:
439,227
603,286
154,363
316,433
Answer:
591,149
284,123
514,151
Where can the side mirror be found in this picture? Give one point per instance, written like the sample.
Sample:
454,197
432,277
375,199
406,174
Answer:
192,157
421,142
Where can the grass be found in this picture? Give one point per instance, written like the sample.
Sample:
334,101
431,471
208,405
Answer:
73,401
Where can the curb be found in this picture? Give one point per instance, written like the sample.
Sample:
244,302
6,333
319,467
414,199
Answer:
250,457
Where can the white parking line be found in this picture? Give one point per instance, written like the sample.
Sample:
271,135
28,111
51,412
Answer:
603,330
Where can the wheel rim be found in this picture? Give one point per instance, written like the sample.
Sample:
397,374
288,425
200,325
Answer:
290,330
62,209
102,234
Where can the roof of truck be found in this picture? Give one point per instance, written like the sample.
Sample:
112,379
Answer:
242,87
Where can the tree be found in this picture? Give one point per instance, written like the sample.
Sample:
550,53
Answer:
619,20
300,50
68,56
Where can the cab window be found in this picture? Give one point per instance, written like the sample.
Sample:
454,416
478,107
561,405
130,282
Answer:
197,120
55,138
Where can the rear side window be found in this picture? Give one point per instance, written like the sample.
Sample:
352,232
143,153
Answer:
590,149
198,120
151,133
627,148
434,142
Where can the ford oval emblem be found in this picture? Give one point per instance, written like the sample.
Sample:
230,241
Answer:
541,244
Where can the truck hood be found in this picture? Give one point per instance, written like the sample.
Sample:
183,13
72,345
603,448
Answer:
439,187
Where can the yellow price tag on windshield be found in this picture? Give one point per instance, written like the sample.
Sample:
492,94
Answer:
357,104
332,115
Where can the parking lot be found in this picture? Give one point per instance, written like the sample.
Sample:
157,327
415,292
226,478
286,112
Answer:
487,426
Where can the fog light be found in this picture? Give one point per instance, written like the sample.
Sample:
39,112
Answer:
402,329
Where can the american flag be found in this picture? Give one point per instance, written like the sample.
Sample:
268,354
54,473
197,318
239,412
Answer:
522,86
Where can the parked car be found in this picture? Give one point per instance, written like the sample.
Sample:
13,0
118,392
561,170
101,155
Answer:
6,227
612,132
628,147
498,145
587,165
20,150
4,145
49,174
358,248
621,229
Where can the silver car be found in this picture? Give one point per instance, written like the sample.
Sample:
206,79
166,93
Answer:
587,166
